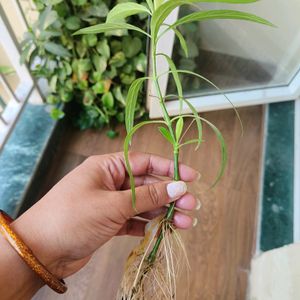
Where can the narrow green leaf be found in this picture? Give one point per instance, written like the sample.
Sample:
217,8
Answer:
108,27
221,141
193,141
124,10
161,13
131,101
26,52
126,155
158,3
220,14
150,5
223,149
53,83
57,49
179,128
4,70
198,121
166,134
175,76
181,41
216,87
47,18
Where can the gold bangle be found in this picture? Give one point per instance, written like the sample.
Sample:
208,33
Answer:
27,255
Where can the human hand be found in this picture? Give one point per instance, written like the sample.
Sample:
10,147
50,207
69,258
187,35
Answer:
92,204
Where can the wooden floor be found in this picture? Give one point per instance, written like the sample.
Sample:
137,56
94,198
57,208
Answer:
220,247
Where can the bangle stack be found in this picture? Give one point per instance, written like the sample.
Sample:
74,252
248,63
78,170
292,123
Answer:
58,285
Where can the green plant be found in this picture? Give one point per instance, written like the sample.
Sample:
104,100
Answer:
151,269
4,70
92,72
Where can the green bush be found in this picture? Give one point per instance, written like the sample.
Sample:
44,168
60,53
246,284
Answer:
92,72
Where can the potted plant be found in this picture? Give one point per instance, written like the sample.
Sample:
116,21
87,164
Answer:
92,73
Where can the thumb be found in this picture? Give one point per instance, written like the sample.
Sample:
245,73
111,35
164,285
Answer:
153,196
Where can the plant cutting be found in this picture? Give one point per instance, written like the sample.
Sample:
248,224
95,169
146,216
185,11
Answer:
153,267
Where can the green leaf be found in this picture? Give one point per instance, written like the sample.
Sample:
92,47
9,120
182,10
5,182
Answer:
4,70
216,87
46,18
64,95
140,63
131,46
220,14
81,49
175,76
181,41
179,128
166,8
118,95
26,52
79,2
57,49
198,121
54,2
112,134
53,83
90,40
98,88
108,100
56,114
99,10
131,100
127,78
127,142
118,60
166,134
108,27
99,62
47,34
88,98
158,3
150,5
103,48
124,10
73,23
223,149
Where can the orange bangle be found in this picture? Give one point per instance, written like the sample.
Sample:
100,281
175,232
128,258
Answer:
27,255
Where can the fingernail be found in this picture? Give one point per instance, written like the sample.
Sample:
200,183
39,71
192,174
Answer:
198,176
198,206
176,189
195,222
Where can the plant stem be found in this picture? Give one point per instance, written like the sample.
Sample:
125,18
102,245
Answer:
169,214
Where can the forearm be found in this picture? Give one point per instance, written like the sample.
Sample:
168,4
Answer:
17,280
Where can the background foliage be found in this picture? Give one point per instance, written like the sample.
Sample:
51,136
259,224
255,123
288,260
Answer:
92,72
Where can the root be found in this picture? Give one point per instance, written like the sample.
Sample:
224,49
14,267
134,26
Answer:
143,280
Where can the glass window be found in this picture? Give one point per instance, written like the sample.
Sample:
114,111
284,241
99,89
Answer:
239,55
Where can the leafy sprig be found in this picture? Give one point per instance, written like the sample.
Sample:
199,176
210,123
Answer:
170,128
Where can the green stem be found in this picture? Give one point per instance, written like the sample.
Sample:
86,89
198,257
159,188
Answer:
169,215
170,212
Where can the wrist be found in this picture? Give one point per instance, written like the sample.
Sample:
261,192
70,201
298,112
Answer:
18,281
34,239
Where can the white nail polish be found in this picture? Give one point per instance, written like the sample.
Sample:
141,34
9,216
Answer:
198,176
198,205
176,189
195,222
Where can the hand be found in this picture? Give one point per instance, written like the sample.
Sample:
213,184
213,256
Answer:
92,204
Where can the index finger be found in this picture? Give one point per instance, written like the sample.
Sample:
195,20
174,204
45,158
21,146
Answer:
146,163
